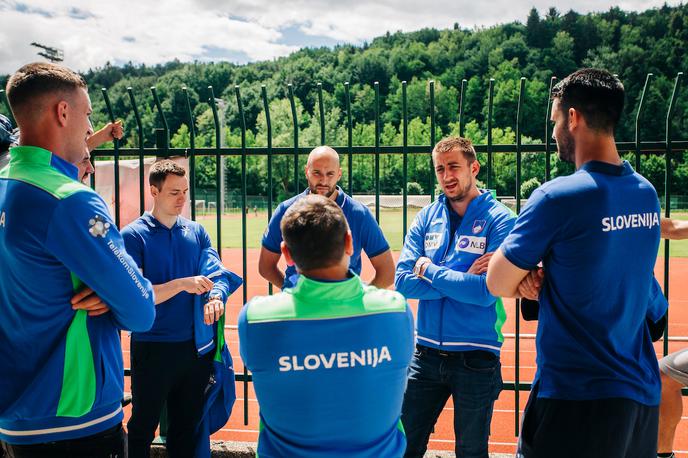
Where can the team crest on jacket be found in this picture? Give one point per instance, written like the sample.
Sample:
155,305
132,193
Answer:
479,225
98,227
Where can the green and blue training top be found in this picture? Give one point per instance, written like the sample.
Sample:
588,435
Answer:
329,363
61,372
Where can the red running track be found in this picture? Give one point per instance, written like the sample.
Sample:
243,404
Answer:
503,438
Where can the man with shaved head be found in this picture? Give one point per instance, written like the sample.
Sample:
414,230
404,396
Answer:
323,172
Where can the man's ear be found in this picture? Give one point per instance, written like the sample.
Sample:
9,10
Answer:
286,254
62,111
154,191
475,168
574,119
348,244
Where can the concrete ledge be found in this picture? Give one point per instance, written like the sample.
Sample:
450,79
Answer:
221,449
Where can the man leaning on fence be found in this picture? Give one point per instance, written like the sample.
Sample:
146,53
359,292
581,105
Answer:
62,372
443,263
329,356
323,171
596,232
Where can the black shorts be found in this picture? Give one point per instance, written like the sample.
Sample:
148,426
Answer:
601,428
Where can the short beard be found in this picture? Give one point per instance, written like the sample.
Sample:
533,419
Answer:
328,194
461,196
566,148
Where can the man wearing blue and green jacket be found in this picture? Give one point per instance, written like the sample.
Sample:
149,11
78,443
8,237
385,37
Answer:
443,263
329,356
62,373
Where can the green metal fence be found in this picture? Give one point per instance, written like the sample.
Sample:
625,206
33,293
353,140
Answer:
668,147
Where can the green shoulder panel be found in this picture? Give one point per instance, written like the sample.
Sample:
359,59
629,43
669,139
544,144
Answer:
45,178
376,300
315,300
278,307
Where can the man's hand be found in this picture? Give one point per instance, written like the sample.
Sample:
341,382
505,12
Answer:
196,285
530,286
87,299
114,130
479,266
212,311
421,264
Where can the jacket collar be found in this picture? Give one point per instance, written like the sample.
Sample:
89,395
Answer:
40,156
321,298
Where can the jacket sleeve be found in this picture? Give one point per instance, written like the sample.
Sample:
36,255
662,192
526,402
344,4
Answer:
83,237
225,282
465,287
405,281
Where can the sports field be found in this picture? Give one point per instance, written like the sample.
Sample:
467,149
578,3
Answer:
503,435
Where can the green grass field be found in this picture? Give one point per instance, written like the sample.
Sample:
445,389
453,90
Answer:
390,221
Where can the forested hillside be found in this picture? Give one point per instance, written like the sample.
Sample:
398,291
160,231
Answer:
546,44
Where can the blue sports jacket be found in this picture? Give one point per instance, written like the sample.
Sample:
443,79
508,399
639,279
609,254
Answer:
225,283
61,372
456,312
220,393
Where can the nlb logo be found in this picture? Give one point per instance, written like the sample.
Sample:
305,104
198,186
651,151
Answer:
343,359
471,244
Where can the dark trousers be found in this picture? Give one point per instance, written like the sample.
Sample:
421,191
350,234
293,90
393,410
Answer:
172,373
472,378
601,428
108,444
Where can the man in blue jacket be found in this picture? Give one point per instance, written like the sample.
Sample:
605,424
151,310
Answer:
323,172
596,232
62,380
459,326
329,356
166,364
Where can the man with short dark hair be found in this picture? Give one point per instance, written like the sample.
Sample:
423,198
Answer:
62,385
168,362
596,232
329,356
443,264
323,172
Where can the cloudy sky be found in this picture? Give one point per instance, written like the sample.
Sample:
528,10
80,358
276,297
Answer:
93,32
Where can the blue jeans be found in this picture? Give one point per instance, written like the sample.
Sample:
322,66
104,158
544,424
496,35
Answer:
472,378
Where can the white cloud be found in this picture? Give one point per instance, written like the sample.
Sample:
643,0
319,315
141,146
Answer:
94,32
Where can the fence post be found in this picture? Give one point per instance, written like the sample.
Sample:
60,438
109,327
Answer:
322,114
115,142
490,104
518,210
404,150
637,122
667,193
219,187
433,139
548,135
377,151
294,117
242,119
268,125
192,153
